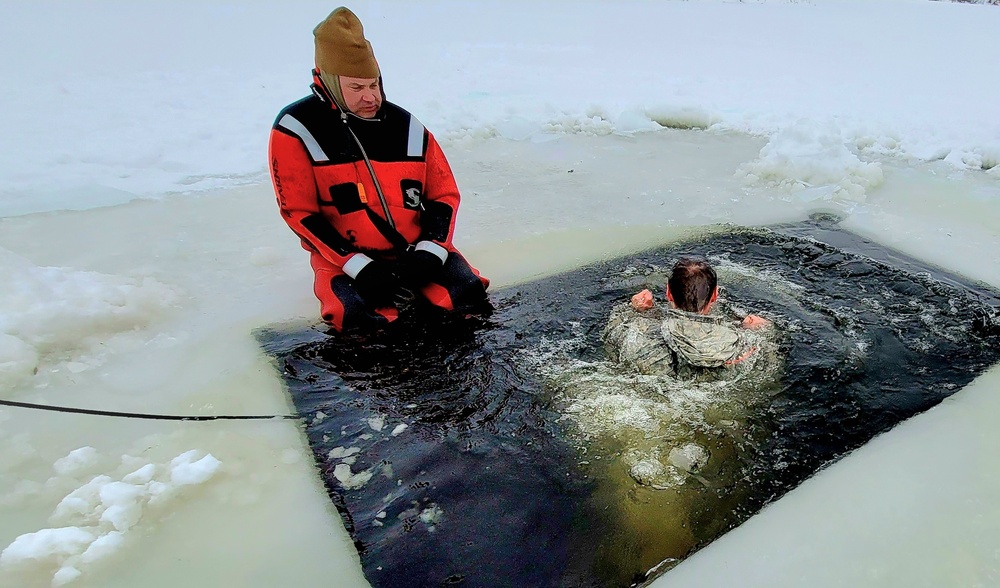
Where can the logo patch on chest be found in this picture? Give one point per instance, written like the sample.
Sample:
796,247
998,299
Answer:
412,190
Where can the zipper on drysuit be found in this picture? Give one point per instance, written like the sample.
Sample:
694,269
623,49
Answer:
371,170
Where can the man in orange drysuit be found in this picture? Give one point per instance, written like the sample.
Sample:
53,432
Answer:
368,190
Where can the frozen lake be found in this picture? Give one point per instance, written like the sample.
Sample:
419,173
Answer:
140,246
530,208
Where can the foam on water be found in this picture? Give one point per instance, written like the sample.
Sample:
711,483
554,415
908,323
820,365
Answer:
646,419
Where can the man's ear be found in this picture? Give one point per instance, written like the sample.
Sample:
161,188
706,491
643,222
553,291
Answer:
670,298
711,301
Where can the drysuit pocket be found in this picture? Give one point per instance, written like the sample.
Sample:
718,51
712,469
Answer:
345,197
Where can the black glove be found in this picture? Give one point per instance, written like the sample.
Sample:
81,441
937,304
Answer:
377,284
416,268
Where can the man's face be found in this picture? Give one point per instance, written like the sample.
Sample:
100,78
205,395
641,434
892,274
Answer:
362,96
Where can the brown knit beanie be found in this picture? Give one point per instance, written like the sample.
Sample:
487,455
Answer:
341,47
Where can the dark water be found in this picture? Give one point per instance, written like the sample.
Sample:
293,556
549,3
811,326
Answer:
487,486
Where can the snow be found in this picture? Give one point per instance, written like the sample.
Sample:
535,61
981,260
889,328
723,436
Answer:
880,110
812,162
47,543
114,116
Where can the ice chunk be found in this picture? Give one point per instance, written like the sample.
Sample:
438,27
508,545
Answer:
690,457
184,472
22,490
630,121
813,155
646,472
141,475
516,128
340,452
376,423
81,502
103,546
158,492
122,516
65,575
348,479
122,504
119,493
47,544
77,462
57,313
17,450
431,515
76,367
399,429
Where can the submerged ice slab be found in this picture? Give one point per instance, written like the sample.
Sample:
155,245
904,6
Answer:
915,507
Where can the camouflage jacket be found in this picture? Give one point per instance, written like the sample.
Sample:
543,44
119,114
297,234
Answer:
672,342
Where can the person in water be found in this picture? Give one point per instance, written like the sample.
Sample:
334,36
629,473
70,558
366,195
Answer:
368,191
686,338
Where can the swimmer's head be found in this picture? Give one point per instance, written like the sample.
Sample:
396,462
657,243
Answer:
693,285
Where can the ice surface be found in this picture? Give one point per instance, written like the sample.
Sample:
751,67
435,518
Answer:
52,313
215,319
118,124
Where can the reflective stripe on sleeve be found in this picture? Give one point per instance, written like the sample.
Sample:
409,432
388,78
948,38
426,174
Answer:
434,248
415,141
355,264
291,124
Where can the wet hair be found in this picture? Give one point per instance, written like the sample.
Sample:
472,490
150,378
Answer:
691,283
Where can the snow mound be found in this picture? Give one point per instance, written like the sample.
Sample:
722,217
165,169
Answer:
812,161
93,521
59,315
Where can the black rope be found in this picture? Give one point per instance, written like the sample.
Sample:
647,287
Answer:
138,415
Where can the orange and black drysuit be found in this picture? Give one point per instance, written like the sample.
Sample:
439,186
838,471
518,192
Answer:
357,189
